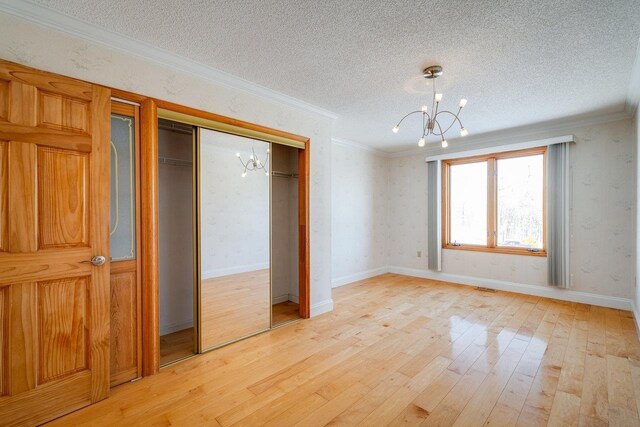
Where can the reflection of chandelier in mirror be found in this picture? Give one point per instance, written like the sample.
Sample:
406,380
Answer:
254,163
430,124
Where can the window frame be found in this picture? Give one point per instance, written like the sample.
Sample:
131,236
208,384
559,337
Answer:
492,203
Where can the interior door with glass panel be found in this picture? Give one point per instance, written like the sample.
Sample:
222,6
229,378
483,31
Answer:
126,336
54,244
233,186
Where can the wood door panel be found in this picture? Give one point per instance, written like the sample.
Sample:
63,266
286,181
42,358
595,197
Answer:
63,187
23,340
54,188
46,137
124,327
4,193
28,267
4,339
63,313
4,100
22,108
23,235
46,81
60,112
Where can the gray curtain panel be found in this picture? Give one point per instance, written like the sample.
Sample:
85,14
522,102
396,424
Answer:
434,247
558,207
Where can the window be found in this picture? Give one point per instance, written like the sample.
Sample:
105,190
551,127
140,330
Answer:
495,202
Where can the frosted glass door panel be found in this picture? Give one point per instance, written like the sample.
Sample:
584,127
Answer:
123,184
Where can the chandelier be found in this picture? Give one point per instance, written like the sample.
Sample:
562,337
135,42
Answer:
431,124
254,163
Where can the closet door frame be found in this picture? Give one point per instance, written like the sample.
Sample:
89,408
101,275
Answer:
149,215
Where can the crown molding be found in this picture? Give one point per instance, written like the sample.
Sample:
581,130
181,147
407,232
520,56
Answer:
517,134
353,144
72,26
633,95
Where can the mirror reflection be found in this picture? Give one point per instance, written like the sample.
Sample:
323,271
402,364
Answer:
234,237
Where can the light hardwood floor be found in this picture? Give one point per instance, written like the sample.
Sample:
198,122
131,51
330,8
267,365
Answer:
176,345
284,312
401,350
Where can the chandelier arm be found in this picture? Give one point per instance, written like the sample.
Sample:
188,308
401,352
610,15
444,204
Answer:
441,134
455,118
413,112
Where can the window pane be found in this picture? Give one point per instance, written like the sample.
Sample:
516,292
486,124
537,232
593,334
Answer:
123,193
520,201
469,203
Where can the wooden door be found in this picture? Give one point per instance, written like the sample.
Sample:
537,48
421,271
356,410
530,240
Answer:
126,333
54,216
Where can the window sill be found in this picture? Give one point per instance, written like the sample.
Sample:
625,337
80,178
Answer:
499,250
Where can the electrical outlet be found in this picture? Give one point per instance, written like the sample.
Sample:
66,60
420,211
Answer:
419,254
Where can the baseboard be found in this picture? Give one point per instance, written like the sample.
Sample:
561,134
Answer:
169,329
321,307
540,291
345,280
636,317
283,298
294,298
220,272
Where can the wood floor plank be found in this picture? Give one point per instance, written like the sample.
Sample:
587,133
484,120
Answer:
401,350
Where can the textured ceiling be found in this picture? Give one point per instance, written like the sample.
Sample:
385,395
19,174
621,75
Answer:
517,62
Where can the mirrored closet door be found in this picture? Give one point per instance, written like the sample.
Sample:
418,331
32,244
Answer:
234,230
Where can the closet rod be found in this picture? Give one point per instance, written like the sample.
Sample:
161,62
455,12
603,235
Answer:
284,174
174,162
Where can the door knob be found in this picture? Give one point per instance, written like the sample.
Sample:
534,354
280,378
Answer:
96,260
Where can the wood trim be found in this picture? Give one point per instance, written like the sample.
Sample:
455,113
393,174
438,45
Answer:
229,121
133,265
304,306
127,96
498,249
149,239
492,202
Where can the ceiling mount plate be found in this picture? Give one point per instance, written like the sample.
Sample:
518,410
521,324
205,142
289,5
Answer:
432,72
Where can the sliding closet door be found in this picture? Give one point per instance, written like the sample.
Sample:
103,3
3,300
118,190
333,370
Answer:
235,298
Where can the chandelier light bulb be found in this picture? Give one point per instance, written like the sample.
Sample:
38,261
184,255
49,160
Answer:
395,129
464,132
258,161
445,144
244,174
424,108
438,97
463,102
421,142
266,173
237,154
251,157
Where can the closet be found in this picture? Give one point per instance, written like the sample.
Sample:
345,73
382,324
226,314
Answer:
284,234
176,240
228,234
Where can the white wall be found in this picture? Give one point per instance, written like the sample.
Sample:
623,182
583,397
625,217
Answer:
175,233
359,212
234,211
58,52
637,183
603,216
